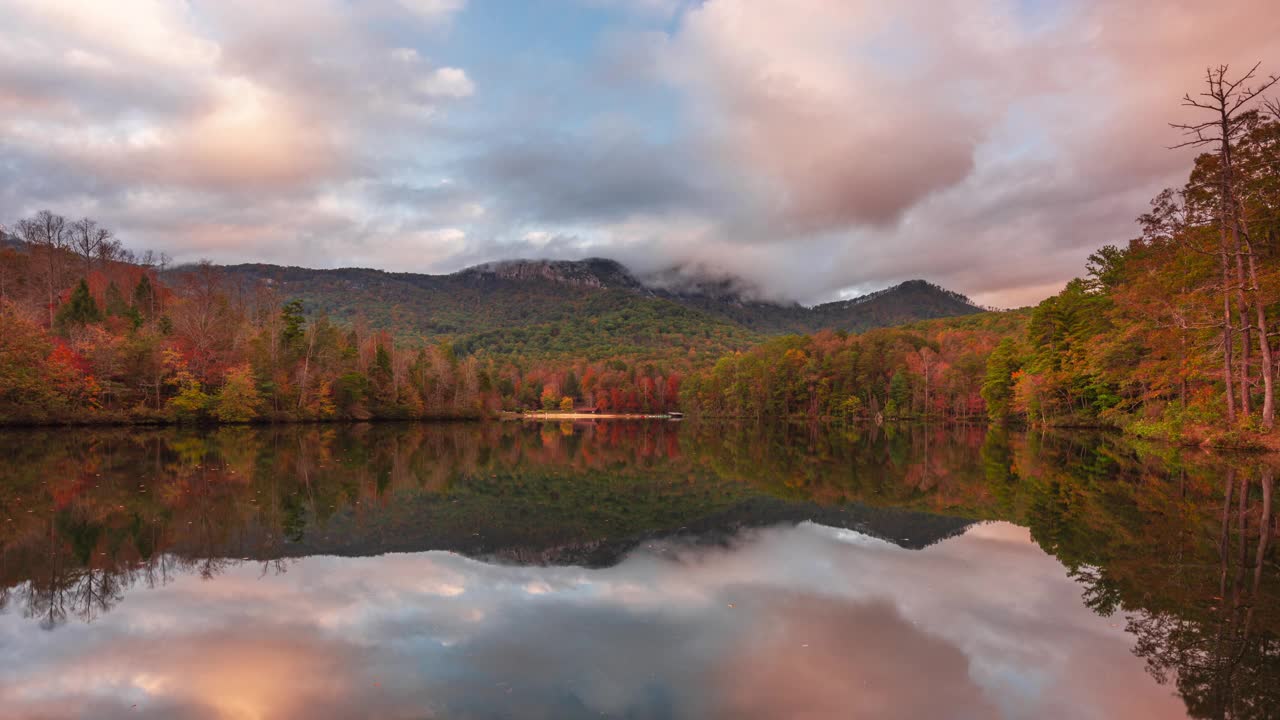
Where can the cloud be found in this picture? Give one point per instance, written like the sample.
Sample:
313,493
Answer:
433,10
215,128
597,175
840,130
988,146
447,82
815,148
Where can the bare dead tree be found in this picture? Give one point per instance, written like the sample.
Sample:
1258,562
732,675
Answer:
1227,101
87,238
112,251
46,234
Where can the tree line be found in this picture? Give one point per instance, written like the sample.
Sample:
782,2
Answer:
1171,335
90,332
929,369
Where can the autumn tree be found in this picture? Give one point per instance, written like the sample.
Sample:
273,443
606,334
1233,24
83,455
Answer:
997,385
237,400
189,401
1227,102
24,347
204,319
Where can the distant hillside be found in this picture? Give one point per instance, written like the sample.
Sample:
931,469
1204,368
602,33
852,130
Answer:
907,302
903,303
595,308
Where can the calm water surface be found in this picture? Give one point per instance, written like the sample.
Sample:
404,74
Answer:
632,570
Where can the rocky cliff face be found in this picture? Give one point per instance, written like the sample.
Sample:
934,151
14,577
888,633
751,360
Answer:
593,272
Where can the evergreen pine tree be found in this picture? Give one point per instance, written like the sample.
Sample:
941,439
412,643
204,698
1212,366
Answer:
79,310
143,298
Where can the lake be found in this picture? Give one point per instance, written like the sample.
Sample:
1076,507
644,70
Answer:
625,569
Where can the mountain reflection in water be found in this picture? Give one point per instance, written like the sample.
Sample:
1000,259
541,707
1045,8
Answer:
632,570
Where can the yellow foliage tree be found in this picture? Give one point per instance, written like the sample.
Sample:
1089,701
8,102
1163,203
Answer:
238,399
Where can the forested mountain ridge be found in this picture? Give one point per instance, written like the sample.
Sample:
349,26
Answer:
479,306
89,332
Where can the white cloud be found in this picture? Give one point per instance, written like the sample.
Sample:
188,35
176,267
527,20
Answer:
229,130
447,82
433,10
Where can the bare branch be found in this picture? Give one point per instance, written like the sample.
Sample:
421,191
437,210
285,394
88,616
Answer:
1272,106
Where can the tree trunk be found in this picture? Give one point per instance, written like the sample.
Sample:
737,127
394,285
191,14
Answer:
1245,324
1264,345
1226,333
1225,193
306,367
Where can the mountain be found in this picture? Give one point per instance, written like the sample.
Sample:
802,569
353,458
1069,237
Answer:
515,536
595,308
903,303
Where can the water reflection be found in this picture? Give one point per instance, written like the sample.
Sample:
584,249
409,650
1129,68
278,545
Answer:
801,621
634,570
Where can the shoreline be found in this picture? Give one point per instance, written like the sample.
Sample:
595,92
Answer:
1201,438
204,424
585,416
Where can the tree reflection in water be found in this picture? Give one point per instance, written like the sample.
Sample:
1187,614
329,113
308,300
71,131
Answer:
1178,543
1223,654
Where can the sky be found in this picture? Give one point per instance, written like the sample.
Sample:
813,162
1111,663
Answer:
816,148
801,621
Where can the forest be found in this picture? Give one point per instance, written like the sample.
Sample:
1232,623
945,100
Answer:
1171,334
90,333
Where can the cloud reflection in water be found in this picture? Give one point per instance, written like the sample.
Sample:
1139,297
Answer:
789,622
